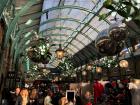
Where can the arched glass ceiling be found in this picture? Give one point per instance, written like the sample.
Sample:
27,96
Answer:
81,24
78,14
76,21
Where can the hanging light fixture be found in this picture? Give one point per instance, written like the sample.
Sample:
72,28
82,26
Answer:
89,66
98,69
60,52
123,64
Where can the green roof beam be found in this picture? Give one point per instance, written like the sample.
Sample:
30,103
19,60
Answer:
3,4
13,23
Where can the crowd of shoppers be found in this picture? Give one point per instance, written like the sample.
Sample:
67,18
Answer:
112,93
105,93
46,96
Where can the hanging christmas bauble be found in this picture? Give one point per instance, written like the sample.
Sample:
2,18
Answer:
118,31
104,44
33,55
103,35
106,47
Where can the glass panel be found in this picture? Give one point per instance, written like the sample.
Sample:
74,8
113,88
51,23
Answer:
83,39
68,32
47,4
92,34
73,48
71,24
76,43
86,4
53,14
70,52
103,26
69,2
80,45
95,22
83,3
73,14
86,41
85,29
49,25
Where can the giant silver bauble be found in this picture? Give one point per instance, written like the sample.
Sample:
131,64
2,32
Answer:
118,31
104,44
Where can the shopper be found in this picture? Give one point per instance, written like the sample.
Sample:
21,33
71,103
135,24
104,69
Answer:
34,97
14,96
23,98
48,99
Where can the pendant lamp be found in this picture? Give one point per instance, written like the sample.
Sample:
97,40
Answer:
59,52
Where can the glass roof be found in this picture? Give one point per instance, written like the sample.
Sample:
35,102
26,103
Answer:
73,23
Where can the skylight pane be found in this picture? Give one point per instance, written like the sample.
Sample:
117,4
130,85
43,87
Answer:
80,37
47,4
92,34
81,15
69,2
95,22
85,3
103,26
73,48
78,44
86,41
71,24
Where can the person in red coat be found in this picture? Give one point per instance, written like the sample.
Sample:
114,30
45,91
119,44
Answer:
98,91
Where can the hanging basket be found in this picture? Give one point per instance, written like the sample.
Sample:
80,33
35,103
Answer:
35,53
46,58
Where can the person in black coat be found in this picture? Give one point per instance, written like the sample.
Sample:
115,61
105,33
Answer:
128,96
